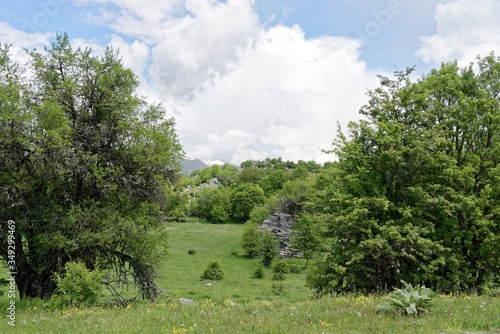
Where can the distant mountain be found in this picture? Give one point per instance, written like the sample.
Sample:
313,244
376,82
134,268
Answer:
189,165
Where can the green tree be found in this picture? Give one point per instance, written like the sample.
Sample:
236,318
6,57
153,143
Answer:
245,197
84,167
414,193
307,236
251,240
269,248
212,204
273,181
251,175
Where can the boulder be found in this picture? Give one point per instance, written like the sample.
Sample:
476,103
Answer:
281,225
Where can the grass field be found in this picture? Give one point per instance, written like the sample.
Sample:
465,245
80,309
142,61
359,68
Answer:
242,304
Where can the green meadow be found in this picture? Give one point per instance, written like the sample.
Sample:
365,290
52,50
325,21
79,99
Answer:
240,303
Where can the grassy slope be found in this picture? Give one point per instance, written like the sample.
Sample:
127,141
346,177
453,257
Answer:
240,304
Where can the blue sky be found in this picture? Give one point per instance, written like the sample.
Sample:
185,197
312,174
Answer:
250,79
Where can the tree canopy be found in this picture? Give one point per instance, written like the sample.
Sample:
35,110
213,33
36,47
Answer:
415,193
84,163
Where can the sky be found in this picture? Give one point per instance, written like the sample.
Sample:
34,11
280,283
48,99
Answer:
251,79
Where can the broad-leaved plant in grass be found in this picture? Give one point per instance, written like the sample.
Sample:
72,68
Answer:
412,300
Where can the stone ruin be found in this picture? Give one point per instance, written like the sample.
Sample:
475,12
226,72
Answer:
281,225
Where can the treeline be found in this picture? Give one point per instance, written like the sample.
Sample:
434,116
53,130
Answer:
221,193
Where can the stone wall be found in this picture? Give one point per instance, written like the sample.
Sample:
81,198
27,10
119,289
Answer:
281,225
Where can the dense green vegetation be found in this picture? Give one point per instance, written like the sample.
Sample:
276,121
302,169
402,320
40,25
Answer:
84,167
240,303
90,174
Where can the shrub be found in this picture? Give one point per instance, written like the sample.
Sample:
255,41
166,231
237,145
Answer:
78,286
259,273
269,248
412,300
213,272
252,240
279,276
281,267
295,269
191,252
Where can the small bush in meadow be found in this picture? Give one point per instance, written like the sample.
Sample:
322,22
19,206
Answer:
279,276
213,272
191,252
258,273
281,267
296,269
78,287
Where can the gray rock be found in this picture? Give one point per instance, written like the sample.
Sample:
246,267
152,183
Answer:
281,225
186,301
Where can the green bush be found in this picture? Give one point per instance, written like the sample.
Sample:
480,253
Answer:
279,276
296,269
259,273
252,240
213,272
191,252
281,267
269,248
410,300
77,287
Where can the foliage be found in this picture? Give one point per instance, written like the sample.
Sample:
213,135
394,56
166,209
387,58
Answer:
414,195
77,287
259,273
213,272
412,300
259,214
273,181
269,248
281,267
85,163
307,236
191,252
295,197
226,174
279,276
251,175
251,240
244,198
212,204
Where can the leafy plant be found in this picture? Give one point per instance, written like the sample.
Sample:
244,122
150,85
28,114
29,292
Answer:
258,273
213,272
281,267
77,287
279,276
413,300
269,248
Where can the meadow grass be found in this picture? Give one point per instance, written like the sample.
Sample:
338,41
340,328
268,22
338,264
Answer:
242,304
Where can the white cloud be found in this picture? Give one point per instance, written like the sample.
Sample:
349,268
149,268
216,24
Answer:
242,90
289,92
20,40
201,46
465,29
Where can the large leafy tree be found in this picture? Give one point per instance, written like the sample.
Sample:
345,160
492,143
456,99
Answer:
84,164
415,194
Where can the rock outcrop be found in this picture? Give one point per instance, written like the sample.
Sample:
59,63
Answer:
281,225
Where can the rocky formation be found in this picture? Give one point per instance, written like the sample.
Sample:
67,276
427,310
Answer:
281,225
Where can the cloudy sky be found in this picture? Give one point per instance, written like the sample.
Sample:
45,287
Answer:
250,79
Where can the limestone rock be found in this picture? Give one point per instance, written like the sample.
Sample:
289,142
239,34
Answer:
281,225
